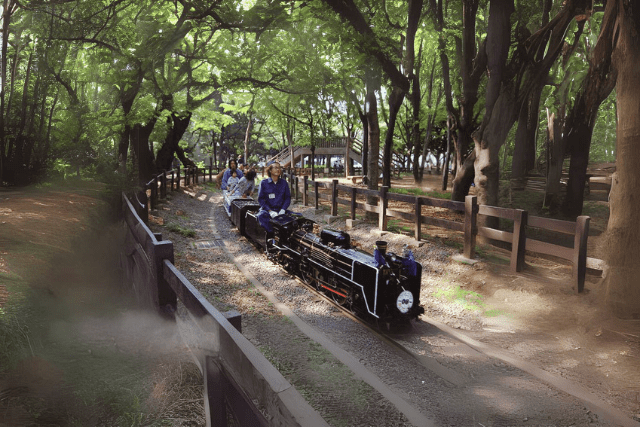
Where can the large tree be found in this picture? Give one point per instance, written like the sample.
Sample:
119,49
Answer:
623,232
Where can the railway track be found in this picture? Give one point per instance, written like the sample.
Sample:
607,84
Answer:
405,343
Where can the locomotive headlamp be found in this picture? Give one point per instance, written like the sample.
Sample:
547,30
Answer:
404,302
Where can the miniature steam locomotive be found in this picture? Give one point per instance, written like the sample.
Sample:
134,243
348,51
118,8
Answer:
383,288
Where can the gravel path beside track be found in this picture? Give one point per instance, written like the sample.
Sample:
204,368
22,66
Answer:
449,383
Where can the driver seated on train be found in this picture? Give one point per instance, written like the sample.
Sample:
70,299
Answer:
274,196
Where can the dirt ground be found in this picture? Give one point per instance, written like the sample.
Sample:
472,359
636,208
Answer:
535,314
538,316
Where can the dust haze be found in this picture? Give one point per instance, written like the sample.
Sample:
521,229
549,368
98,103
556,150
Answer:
93,355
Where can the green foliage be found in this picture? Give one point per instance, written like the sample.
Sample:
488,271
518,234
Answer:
176,228
297,73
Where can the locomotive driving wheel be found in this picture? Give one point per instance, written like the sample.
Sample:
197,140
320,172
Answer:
341,298
307,277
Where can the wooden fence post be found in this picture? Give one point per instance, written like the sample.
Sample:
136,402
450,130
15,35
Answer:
305,190
142,205
518,249
163,185
580,252
334,197
382,206
418,220
178,180
167,299
172,178
215,407
297,193
470,226
290,176
154,193
210,172
316,188
353,203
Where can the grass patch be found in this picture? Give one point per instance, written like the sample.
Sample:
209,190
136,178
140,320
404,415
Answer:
422,193
493,312
594,209
453,244
186,232
469,300
397,226
495,259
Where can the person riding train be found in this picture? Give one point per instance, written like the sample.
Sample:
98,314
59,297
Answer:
233,167
245,186
274,196
237,189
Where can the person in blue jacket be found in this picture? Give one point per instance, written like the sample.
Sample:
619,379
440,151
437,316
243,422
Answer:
274,196
233,166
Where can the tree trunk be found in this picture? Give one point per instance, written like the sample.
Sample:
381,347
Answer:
499,106
140,144
371,112
425,150
473,67
415,132
373,153
177,126
6,19
395,102
365,144
555,155
524,151
622,288
595,88
247,135
127,94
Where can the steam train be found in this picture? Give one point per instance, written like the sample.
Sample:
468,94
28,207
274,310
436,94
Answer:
381,288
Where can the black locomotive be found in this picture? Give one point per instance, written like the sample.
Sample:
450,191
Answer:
383,287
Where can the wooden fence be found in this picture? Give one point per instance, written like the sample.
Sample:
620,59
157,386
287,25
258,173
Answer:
305,189
236,375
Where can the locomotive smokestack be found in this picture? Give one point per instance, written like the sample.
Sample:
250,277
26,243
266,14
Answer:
381,245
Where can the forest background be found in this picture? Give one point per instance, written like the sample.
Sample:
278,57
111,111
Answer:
114,90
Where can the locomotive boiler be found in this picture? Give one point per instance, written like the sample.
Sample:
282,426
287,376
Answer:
382,287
